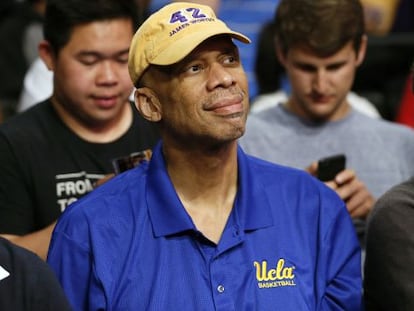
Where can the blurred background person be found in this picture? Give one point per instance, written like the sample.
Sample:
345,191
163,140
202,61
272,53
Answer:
20,32
382,76
317,120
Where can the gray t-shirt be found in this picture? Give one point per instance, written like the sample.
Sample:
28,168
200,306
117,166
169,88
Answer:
380,152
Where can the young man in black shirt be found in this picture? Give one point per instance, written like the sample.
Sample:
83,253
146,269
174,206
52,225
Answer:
55,152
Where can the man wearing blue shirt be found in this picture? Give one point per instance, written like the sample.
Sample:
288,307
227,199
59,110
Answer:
202,225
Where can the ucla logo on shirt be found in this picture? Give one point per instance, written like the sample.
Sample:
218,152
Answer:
278,275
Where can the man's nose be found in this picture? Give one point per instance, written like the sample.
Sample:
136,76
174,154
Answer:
321,81
107,73
219,76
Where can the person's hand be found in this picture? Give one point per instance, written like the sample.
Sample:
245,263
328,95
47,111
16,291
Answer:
312,169
351,190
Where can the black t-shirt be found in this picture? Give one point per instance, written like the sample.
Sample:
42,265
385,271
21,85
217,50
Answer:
27,282
44,166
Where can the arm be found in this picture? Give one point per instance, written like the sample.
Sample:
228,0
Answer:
359,201
17,210
37,242
339,262
72,259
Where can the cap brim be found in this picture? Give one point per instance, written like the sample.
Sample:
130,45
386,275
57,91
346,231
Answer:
184,46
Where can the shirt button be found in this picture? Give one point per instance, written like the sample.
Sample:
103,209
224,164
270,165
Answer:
220,289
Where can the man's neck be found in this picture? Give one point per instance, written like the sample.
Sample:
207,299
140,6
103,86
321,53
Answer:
339,112
98,132
206,183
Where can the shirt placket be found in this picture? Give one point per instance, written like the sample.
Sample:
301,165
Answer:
221,282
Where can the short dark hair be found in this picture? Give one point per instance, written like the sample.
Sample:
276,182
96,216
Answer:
323,26
267,66
62,16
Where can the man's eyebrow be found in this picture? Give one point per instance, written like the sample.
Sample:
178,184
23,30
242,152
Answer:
337,64
299,63
122,52
333,64
86,53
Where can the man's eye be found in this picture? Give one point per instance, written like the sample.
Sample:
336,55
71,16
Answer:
335,67
122,60
306,68
193,69
230,59
88,61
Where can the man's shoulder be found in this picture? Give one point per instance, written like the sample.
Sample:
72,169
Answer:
379,124
393,134
37,129
30,121
268,115
113,197
271,122
263,167
397,202
115,207
16,259
291,189
270,173
28,281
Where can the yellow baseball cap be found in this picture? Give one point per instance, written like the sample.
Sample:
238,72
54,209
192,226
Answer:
171,33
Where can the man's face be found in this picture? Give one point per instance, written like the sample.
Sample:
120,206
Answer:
320,84
91,79
204,98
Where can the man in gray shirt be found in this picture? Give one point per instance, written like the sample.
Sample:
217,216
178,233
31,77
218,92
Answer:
321,44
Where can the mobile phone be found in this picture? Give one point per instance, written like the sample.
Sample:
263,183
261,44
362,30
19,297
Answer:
330,166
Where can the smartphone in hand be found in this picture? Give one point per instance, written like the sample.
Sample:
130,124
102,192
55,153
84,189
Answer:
329,167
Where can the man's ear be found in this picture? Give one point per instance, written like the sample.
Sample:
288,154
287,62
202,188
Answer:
362,50
280,55
46,54
148,104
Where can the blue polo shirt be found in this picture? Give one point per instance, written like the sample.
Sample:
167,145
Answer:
289,244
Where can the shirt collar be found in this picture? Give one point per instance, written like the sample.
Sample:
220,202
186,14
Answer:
168,216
